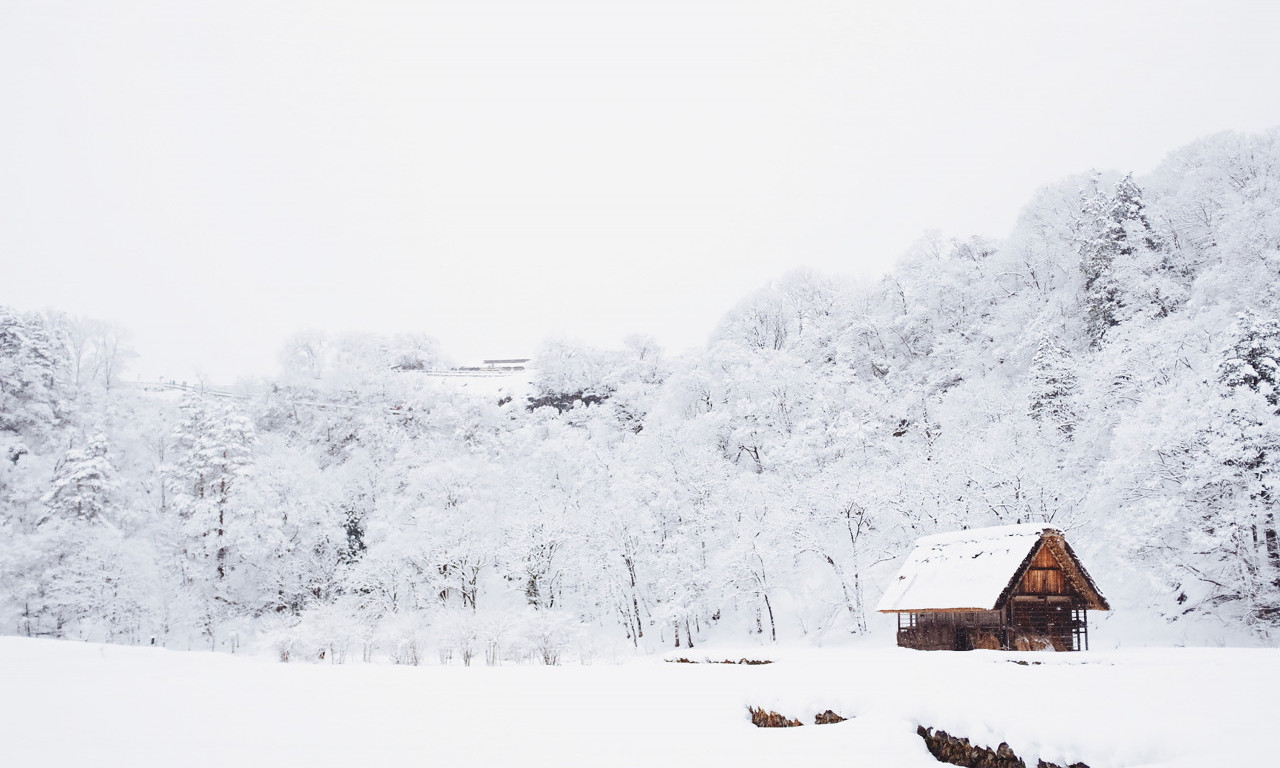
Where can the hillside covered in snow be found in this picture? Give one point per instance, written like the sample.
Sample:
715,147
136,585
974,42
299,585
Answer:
1110,367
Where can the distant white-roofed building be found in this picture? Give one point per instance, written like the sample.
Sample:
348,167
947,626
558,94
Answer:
1014,587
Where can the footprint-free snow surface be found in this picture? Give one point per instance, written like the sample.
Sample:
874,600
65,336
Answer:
78,704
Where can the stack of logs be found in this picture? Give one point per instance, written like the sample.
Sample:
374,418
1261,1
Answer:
958,751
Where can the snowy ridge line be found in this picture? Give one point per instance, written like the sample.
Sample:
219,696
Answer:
168,385
472,374
195,389
462,373
153,386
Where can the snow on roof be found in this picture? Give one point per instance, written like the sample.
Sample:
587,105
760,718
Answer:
961,570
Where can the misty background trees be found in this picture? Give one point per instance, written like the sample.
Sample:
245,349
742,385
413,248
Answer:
1110,367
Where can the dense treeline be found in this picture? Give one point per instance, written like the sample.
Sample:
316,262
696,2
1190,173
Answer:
1110,367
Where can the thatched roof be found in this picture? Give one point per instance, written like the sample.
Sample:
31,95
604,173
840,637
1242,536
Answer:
977,569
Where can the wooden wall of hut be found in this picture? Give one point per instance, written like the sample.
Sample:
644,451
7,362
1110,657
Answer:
1048,617
1044,602
950,630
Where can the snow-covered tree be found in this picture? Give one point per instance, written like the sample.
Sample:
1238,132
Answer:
83,484
30,365
213,447
1053,384
1253,359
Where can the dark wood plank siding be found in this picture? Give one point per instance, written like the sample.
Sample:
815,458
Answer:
1044,581
949,630
1044,577
1053,619
1044,559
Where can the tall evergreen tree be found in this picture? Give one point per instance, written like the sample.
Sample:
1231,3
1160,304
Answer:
1053,383
214,447
1113,230
30,363
83,484
1252,364
1253,359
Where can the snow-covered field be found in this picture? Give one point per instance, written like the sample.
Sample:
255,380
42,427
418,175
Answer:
76,704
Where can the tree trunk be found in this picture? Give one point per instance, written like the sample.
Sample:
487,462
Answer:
1272,541
853,606
773,629
860,614
222,524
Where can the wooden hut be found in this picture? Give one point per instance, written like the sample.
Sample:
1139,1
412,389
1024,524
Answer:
1016,587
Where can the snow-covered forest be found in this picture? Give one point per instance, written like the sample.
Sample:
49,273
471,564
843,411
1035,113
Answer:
1109,366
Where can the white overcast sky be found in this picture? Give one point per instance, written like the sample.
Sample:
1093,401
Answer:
215,176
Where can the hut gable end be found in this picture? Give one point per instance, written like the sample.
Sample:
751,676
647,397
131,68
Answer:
1053,570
